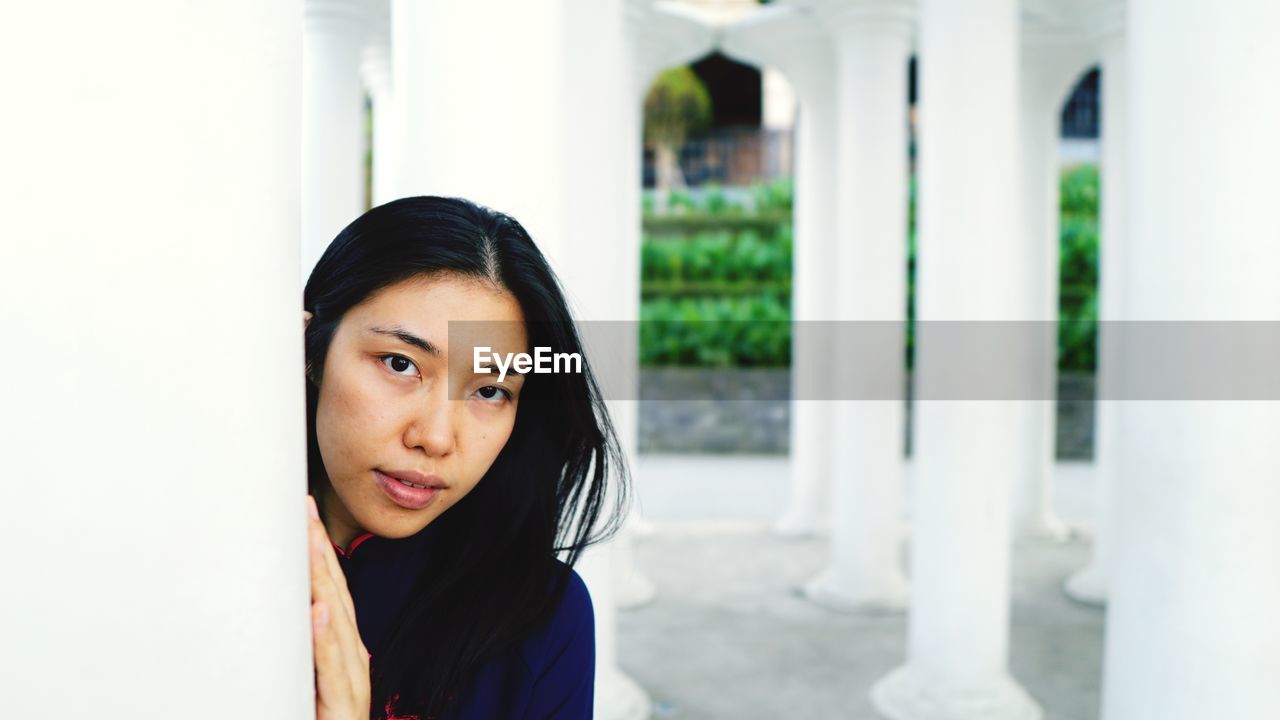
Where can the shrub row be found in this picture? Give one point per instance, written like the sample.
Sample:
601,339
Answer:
699,270
716,332
717,256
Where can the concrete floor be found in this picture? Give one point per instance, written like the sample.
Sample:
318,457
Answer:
728,636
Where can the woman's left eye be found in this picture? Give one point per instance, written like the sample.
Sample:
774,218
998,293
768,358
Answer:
399,363
499,395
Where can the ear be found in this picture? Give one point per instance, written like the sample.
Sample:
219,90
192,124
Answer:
306,318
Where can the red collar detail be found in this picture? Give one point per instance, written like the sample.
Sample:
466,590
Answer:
354,543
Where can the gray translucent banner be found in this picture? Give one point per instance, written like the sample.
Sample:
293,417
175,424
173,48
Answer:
951,360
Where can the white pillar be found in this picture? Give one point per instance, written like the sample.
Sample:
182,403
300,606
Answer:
152,416
601,159
958,629
531,137
778,100
1050,67
375,68
1089,585
807,508
872,41
461,137
801,48
332,123
1192,624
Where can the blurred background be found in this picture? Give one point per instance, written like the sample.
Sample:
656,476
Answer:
751,181
733,596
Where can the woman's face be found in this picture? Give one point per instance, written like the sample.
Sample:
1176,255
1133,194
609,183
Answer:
389,405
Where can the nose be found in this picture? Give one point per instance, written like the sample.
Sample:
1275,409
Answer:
431,426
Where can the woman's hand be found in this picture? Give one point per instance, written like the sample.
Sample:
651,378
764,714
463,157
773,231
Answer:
341,660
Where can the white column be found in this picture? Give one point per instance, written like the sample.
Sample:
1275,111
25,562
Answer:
807,507
492,133
1089,585
1050,67
375,68
152,416
957,650
800,47
332,123
532,137
872,41
1192,624
601,137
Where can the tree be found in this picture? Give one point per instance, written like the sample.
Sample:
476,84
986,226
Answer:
676,106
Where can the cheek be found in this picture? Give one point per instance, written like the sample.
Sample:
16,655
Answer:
347,418
489,435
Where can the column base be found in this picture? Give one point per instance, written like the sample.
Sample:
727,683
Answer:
1046,527
618,697
798,524
1087,587
826,590
633,589
904,695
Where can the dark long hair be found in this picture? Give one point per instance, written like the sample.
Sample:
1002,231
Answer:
484,583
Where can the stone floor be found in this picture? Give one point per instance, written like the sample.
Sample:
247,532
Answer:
727,635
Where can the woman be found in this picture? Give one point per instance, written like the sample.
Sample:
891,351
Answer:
442,495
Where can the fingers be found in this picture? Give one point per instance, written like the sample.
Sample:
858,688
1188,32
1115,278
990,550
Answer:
335,691
328,563
341,660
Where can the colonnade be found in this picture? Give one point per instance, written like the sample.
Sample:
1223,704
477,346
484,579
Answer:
993,77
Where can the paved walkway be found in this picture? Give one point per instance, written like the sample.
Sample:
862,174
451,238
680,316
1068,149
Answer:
728,636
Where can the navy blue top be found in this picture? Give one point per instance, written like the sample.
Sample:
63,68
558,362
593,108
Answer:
550,674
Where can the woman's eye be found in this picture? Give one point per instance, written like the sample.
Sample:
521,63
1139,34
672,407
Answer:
494,394
398,364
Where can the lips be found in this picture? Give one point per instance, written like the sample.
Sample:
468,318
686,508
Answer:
416,478
409,497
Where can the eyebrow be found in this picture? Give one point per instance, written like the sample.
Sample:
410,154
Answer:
409,338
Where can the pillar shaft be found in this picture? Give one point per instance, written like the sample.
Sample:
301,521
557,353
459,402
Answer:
492,134
870,254
547,139
1192,627
800,47
154,461
813,224
1049,69
377,72
968,188
332,122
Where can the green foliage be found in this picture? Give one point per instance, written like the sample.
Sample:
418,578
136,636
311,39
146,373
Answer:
676,106
1078,304
716,281
716,331
711,257
774,197
1079,191
717,285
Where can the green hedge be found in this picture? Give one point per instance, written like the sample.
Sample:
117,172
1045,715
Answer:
1078,300
719,262
716,332
717,259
